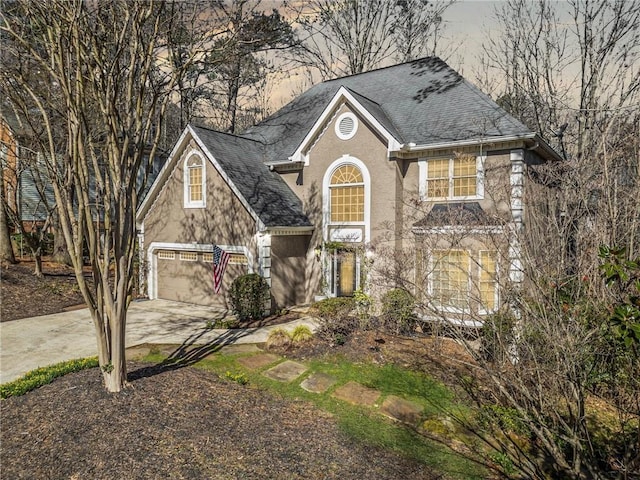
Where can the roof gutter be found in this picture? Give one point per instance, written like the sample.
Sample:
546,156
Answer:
535,141
302,230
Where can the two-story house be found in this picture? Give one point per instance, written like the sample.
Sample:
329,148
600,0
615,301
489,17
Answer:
322,198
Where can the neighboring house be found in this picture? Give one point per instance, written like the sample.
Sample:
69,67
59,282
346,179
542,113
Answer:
29,192
324,196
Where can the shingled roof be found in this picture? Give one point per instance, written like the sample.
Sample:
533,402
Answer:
422,102
266,193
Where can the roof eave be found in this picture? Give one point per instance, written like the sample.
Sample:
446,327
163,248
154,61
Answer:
532,140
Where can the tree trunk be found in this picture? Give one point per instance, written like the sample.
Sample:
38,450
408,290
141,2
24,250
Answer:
6,249
38,265
60,251
111,348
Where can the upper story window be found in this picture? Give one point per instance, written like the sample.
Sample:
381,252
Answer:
457,178
194,181
346,189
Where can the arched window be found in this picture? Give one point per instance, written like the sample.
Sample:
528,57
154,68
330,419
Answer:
347,199
194,182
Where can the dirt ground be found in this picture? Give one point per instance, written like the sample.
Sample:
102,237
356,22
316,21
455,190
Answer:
186,423
23,295
182,423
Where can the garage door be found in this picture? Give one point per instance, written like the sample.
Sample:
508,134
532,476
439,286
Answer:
187,276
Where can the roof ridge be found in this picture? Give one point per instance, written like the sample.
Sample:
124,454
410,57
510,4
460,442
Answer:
381,107
421,59
235,135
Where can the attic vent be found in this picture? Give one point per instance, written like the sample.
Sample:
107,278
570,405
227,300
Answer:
346,126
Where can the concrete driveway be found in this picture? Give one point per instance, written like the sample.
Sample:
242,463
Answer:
39,341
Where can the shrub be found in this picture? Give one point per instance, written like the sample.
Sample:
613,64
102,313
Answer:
397,309
363,305
335,306
44,375
278,339
301,333
249,295
338,319
496,336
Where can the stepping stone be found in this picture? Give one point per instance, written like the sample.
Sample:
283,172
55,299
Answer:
261,360
318,382
286,371
240,348
402,410
357,394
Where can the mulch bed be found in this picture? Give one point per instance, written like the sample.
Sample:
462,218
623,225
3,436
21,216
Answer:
25,295
183,423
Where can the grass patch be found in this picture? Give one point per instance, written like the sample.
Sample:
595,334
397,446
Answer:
364,424
44,375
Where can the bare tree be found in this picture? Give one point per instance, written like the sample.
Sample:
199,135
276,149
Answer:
417,28
106,61
347,37
570,71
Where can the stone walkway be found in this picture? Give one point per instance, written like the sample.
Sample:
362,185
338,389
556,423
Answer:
279,369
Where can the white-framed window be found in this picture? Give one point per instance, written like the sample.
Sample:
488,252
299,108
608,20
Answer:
194,181
346,126
460,177
449,279
188,256
487,281
166,255
346,195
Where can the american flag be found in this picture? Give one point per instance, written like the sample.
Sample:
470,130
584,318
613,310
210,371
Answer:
220,260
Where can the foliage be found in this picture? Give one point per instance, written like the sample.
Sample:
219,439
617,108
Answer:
240,377
301,333
334,306
249,295
279,339
398,310
337,319
346,37
497,336
622,276
363,304
223,323
558,379
44,375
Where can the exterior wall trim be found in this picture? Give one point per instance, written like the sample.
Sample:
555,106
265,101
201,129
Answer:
342,95
516,272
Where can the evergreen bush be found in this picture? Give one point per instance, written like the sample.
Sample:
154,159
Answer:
249,295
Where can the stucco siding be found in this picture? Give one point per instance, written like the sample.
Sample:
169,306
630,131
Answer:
224,221
288,269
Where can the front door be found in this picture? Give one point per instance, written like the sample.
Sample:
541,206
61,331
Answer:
346,273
